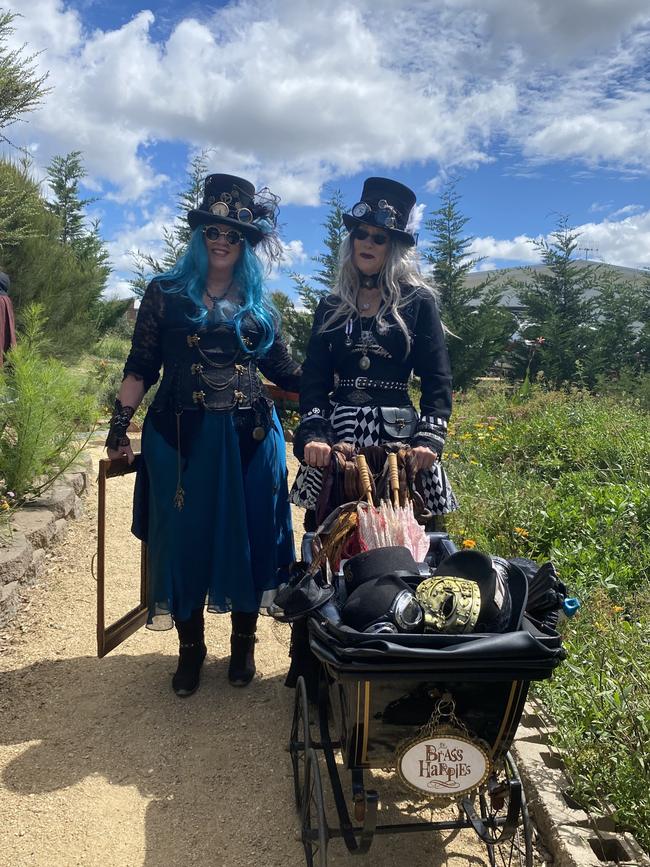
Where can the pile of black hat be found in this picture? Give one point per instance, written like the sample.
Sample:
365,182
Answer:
385,590
389,592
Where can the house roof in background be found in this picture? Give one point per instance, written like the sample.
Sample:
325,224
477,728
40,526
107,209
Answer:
510,277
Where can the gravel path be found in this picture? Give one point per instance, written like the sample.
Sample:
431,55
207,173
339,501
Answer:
100,764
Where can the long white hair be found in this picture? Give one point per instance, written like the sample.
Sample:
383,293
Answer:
399,278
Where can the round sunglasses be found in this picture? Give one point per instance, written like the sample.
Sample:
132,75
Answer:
377,238
213,233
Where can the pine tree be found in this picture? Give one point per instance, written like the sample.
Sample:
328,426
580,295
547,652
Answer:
64,175
67,281
479,328
19,203
21,88
560,314
326,275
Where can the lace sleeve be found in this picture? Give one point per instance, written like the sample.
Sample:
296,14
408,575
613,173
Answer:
278,366
145,357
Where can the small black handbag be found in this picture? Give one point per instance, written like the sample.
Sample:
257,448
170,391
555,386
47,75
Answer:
397,423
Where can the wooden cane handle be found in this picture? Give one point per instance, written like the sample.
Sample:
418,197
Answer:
364,476
394,477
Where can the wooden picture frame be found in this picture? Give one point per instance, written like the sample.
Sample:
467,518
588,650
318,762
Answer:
111,636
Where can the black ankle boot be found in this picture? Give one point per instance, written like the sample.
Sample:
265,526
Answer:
191,654
242,649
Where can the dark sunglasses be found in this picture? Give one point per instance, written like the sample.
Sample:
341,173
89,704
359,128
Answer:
213,233
378,238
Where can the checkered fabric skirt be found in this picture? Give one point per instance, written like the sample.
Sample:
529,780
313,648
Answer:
360,425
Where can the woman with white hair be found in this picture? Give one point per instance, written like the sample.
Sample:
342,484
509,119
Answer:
380,325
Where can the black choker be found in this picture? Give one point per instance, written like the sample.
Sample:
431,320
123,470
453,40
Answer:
368,281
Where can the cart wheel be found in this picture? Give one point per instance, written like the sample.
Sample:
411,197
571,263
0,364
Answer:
517,850
313,822
299,741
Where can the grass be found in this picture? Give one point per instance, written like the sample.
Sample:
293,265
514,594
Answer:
565,476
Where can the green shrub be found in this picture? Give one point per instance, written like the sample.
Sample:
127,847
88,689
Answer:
601,700
565,476
42,411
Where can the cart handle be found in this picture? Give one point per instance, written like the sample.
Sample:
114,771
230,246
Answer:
364,477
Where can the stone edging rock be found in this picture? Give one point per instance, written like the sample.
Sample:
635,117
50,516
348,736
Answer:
572,836
35,528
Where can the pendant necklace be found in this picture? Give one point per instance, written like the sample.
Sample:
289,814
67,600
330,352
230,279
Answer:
214,299
366,338
367,282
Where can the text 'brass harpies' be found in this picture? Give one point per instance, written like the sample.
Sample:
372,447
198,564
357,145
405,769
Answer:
193,339
198,396
197,368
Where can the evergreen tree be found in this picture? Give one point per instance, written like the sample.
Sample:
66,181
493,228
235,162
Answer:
619,308
296,324
21,88
325,275
175,238
479,328
67,282
19,203
64,175
560,314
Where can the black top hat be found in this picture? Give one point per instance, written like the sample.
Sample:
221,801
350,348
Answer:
385,204
395,561
233,201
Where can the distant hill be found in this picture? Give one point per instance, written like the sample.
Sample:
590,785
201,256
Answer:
506,277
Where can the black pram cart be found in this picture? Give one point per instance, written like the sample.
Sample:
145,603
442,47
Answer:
440,710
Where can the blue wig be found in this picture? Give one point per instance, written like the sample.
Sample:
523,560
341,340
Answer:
189,277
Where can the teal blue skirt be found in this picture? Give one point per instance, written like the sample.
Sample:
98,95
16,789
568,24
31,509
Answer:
231,543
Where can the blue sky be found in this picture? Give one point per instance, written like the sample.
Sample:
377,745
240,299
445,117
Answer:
539,108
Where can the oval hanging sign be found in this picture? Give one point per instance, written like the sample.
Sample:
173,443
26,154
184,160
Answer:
444,764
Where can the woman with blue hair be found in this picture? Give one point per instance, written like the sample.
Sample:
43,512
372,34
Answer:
211,496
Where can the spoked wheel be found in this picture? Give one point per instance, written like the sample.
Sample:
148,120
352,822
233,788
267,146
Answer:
299,741
313,822
506,851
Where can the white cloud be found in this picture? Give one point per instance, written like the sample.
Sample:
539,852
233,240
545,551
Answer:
623,242
146,237
519,249
619,242
294,95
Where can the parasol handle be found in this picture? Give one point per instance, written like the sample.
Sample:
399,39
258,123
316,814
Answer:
394,477
364,476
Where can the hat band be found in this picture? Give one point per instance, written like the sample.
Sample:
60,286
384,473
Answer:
383,215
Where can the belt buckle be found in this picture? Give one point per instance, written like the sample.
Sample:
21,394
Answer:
361,382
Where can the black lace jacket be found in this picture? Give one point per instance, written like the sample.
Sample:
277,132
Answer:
161,312
336,351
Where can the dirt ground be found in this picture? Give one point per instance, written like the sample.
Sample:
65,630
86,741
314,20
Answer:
100,764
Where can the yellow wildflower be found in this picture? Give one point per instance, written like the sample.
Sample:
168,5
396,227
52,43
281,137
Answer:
475,463
618,608
469,543
455,455
520,531
491,427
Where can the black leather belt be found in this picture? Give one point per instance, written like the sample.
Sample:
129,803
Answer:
363,382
